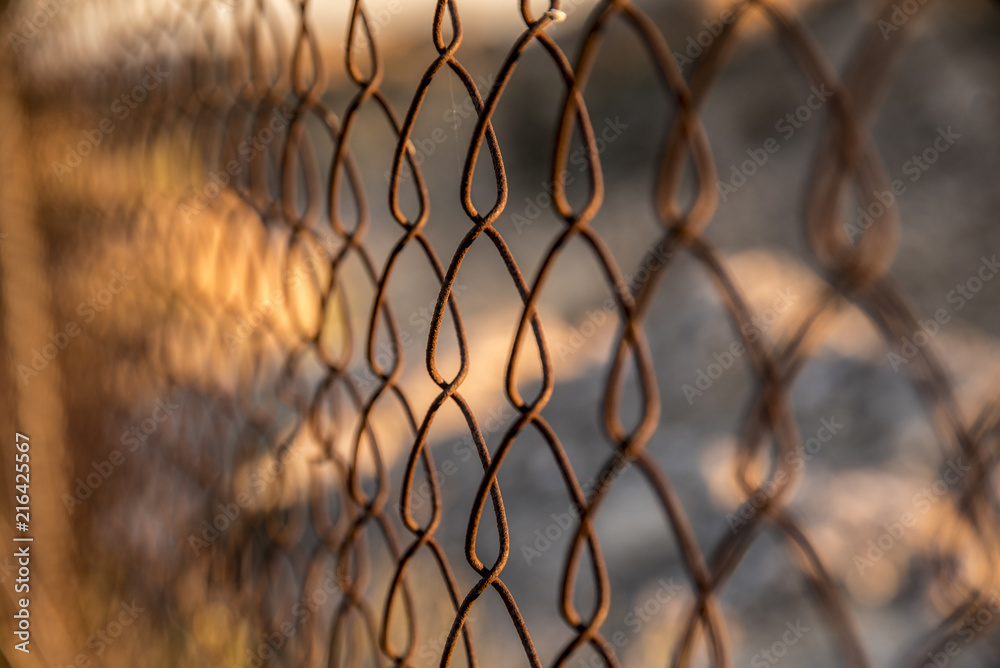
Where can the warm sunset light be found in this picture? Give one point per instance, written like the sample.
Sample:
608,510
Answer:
420,333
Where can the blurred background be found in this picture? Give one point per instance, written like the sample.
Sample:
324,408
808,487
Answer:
224,227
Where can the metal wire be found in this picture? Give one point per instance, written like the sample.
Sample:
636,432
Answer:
337,509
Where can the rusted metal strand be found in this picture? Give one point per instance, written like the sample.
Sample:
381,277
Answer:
319,205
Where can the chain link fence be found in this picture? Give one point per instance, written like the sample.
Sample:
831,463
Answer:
369,334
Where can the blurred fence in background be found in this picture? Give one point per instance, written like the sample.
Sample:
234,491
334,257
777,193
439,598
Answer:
283,423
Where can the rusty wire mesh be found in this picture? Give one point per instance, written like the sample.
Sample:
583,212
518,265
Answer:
265,320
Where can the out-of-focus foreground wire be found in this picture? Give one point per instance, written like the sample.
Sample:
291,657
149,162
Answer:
266,328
